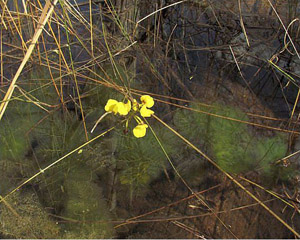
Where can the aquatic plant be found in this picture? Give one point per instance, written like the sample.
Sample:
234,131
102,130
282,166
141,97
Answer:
85,209
140,160
17,141
235,148
14,142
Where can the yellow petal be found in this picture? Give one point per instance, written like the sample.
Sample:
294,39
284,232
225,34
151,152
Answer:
128,105
118,107
111,106
122,109
147,101
140,130
145,112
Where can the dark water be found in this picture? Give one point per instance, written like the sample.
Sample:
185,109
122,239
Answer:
185,22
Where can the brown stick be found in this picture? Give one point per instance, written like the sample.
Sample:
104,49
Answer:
48,9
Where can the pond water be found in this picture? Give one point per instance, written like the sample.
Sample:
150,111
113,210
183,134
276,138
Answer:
204,62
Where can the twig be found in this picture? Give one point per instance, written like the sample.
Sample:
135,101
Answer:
229,176
284,28
48,9
242,23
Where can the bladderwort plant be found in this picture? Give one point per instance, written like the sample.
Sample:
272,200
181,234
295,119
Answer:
235,148
136,160
131,110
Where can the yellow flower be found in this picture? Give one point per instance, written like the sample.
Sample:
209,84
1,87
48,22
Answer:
145,112
111,106
118,107
128,105
123,109
140,130
147,101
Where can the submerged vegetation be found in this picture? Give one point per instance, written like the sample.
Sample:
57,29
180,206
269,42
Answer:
147,119
235,147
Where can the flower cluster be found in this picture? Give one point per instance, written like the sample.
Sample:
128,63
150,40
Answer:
118,107
124,108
